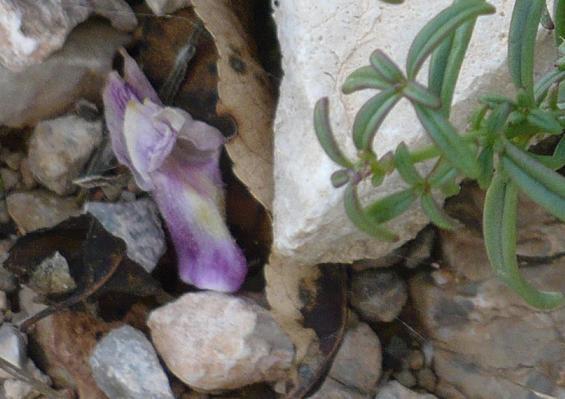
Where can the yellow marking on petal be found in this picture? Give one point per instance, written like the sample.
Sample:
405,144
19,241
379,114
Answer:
207,215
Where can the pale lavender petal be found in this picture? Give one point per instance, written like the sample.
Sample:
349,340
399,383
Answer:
208,257
137,80
116,96
149,139
203,136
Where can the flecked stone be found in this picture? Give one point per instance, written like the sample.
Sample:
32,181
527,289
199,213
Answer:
394,390
12,347
241,343
32,210
52,276
357,363
138,224
60,148
378,295
125,366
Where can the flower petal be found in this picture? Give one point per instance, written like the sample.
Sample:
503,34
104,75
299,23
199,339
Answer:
149,140
116,95
137,80
208,256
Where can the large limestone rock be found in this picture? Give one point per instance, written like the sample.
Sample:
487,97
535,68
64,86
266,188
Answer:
321,45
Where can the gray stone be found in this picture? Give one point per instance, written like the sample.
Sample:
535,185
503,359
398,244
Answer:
321,44
358,361
11,159
12,348
32,210
8,282
52,276
77,71
60,148
10,179
406,378
378,295
162,7
332,389
487,342
213,341
138,224
125,366
427,379
393,390
32,30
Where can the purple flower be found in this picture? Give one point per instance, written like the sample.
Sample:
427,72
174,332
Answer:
177,159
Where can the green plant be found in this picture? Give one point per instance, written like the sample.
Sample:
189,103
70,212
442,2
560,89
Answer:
494,149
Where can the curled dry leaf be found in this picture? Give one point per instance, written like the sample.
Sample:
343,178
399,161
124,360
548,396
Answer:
245,94
310,303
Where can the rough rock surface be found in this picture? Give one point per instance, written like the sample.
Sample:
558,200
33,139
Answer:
393,390
357,363
138,224
321,44
125,365
487,342
332,389
31,30
59,148
77,71
32,210
162,7
378,295
241,344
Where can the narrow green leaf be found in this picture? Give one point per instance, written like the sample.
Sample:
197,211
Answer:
486,160
325,135
364,78
406,167
446,62
559,152
521,43
340,178
441,26
498,117
538,192
499,230
544,84
559,20
386,67
549,178
544,120
550,161
391,206
441,174
371,116
452,146
359,218
436,215
420,94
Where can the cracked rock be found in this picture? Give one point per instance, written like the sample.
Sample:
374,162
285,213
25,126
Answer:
240,345
125,366
31,30
60,148
321,44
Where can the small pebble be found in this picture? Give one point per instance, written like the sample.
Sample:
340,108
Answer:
4,303
4,215
52,276
11,159
416,360
406,378
427,379
28,180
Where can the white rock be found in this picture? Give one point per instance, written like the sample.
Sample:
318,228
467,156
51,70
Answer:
138,224
59,149
162,7
32,30
12,348
213,341
78,70
322,44
125,365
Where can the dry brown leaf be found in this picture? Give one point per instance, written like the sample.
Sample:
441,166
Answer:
310,303
245,94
